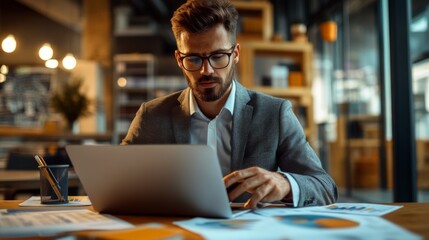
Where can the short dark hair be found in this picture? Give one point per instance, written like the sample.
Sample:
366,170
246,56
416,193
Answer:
197,16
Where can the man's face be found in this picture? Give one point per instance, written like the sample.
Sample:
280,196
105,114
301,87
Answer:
208,83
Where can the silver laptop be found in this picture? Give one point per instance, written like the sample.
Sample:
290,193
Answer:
170,180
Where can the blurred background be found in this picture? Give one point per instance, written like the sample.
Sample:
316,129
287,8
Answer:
356,71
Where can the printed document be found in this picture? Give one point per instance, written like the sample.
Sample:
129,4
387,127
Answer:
34,201
21,223
296,224
366,209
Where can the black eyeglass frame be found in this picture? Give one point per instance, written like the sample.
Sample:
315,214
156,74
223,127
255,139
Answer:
206,58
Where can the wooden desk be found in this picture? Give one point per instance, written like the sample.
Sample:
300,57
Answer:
413,217
8,204
13,180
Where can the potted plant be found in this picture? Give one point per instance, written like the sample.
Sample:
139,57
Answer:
71,102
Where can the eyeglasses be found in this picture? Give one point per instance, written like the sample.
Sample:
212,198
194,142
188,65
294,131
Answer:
194,62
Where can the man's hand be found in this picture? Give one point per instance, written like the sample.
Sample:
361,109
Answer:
265,186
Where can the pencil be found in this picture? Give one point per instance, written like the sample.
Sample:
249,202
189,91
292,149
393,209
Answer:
49,176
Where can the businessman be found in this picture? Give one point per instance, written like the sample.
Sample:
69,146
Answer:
260,144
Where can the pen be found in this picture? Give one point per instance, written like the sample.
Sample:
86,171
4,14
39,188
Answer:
42,160
49,176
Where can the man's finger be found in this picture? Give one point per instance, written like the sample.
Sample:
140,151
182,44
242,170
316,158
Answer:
258,195
248,185
238,176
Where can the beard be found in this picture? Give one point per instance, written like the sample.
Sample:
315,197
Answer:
210,94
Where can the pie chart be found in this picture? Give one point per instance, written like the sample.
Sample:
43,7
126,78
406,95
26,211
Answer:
317,221
228,224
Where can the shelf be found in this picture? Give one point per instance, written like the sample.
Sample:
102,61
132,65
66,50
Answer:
281,48
134,57
42,135
363,117
296,53
258,69
255,19
291,92
134,90
363,143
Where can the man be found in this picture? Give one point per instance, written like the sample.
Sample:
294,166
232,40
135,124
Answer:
260,145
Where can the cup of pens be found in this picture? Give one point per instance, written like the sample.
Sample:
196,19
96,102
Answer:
53,182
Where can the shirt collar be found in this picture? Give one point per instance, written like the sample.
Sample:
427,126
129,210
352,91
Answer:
229,104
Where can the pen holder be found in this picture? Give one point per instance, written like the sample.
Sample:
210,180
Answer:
54,184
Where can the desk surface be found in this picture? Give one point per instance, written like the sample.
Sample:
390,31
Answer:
413,217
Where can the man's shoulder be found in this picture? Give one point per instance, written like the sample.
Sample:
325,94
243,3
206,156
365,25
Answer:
257,95
163,103
263,98
172,97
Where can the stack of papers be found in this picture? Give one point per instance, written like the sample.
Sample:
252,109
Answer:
337,221
22,223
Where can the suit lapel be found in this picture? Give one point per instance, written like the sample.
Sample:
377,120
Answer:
240,126
180,118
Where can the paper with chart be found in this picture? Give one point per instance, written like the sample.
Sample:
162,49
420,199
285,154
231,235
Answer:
20,223
367,209
297,224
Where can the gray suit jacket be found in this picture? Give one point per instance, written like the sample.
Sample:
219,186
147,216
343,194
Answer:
265,133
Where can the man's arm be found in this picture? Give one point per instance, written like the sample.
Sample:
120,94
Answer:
297,158
294,157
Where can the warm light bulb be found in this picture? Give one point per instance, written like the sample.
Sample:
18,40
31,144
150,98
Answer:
51,63
46,52
9,44
2,78
69,62
122,82
4,69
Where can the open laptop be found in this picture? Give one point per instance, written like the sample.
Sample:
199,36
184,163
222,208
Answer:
173,180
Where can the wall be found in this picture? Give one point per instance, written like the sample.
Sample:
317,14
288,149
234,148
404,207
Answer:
31,30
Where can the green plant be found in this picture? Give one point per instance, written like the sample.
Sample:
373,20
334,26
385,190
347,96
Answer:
70,101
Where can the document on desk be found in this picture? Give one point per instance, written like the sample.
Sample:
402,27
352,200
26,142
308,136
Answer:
34,201
21,223
292,224
367,209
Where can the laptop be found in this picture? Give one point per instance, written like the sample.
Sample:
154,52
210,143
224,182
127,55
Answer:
169,180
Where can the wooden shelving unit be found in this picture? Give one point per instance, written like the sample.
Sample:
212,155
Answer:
256,20
255,36
134,83
297,54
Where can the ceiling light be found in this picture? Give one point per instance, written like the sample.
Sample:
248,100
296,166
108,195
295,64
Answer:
9,44
4,69
46,52
51,63
2,78
69,61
